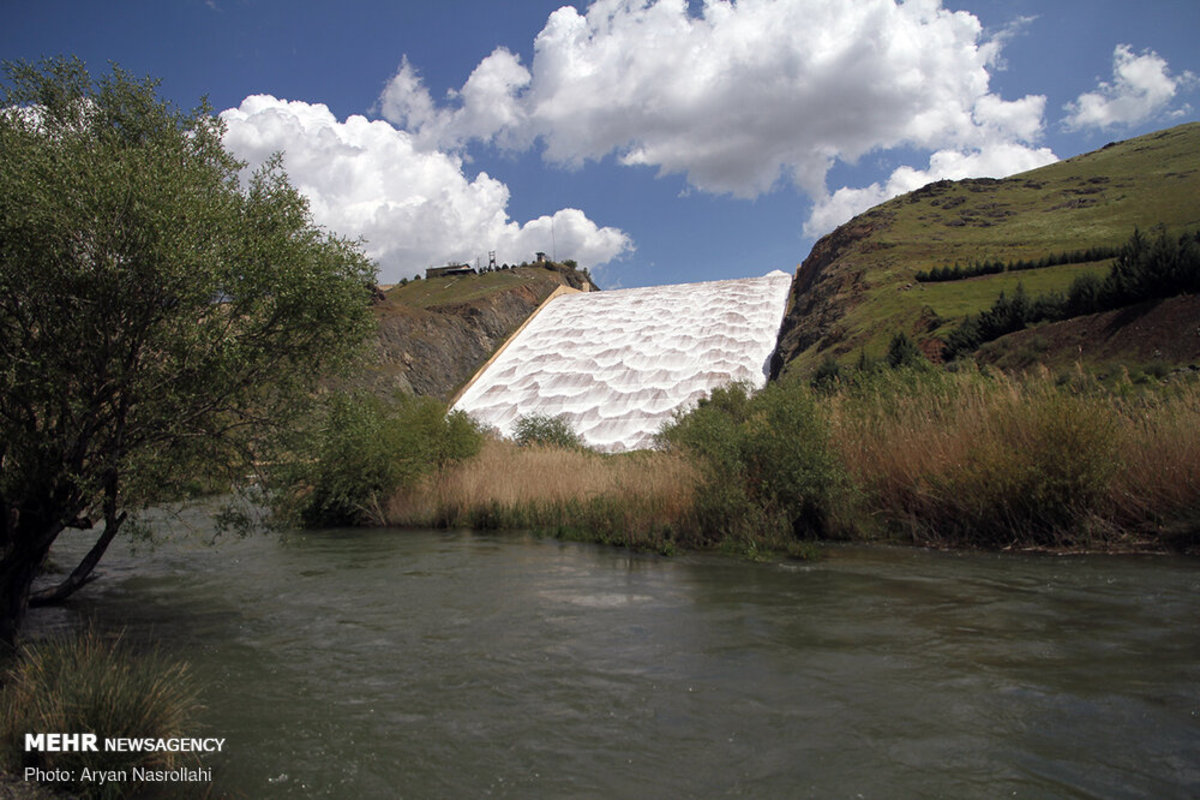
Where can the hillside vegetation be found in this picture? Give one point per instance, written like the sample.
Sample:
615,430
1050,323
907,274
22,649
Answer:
859,287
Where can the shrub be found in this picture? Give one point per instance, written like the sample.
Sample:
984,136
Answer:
710,436
789,462
1150,268
827,375
903,352
1083,296
546,431
363,449
94,684
768,473
1144,269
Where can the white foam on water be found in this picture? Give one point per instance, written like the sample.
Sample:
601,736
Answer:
617,364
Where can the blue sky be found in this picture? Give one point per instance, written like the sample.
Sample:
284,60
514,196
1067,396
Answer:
655,142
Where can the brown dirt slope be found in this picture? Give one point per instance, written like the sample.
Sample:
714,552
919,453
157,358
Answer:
1164,332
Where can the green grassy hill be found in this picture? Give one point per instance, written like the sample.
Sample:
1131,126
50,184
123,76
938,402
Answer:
858,287
452,290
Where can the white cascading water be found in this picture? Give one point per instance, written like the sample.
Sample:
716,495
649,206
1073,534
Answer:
617,364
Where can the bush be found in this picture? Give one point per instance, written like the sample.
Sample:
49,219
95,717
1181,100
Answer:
1083,296
363,449
1149,268
903,352
768,474
790,465
93,684
1145,269
827,375
710,436
542,430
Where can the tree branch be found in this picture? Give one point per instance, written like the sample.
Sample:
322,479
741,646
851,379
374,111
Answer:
82,574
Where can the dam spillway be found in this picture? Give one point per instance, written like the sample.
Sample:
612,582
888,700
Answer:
617,364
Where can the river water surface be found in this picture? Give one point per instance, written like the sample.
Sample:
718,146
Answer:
381,664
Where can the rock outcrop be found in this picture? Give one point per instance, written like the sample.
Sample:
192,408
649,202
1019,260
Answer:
821,296
433,348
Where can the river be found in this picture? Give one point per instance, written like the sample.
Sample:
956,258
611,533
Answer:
425,664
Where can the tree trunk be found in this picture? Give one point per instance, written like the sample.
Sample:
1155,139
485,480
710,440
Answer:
82,574
19,566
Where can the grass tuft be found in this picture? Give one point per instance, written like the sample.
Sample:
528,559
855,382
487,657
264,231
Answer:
96,684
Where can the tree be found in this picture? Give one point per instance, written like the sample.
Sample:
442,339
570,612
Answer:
364,449
903,352
543,430
159,321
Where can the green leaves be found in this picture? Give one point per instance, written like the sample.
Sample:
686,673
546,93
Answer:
361,450
1144,269
542,430
159,323
766,462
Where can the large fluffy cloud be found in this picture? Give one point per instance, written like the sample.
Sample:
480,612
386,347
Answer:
414,207
741,96
1142,88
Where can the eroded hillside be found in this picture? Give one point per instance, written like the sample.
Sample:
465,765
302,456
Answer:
434,334
858,286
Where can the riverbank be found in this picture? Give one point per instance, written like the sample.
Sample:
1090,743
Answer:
1070,462
641,500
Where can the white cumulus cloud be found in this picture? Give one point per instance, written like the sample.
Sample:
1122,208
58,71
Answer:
414,207
486,106
1142,88
742,96
738,97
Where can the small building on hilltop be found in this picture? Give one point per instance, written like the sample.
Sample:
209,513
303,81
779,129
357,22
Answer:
449,269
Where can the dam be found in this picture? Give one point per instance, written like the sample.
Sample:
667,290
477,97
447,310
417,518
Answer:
617,364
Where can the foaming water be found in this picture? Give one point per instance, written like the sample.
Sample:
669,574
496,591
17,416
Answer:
617,364
380,664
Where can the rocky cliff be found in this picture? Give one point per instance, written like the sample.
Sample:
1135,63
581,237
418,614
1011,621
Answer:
822,295
434,334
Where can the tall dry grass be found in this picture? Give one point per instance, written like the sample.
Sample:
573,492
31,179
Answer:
935,457
1030,460
640,499
1156,488
92,683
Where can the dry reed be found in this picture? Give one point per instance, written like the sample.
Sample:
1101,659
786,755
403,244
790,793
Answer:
646,494
1028,460
938,458
1157,484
